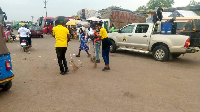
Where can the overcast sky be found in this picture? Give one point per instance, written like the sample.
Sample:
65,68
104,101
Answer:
24,9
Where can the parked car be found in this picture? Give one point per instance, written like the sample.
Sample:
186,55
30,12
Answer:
140,37
36,31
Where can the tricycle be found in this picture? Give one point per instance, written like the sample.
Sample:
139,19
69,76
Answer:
6,72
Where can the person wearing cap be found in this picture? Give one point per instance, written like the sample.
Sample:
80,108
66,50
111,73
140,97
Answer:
62,38
23,33
106,43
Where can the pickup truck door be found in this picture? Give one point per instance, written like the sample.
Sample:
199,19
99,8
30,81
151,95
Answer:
124,35
142,37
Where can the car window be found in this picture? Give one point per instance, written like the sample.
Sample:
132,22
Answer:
38,28
35,28
127,29
180,25
142,28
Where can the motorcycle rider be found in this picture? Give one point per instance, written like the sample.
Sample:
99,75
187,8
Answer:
24,32
29,36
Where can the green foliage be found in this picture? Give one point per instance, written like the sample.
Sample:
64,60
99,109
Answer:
193,2
142,8
153,4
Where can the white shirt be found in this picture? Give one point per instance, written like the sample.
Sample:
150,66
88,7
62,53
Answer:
87,31
91,32
29,32
22,32
77,31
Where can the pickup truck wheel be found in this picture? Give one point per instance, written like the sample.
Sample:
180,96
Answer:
113,47
161,53
175,55
7,86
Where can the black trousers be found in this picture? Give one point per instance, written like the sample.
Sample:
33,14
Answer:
60,51
25,38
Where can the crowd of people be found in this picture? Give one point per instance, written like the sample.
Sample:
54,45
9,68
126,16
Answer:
8,30
96,34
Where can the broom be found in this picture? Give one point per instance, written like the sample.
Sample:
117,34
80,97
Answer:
93,58
74,67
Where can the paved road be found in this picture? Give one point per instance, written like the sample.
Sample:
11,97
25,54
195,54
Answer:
135,83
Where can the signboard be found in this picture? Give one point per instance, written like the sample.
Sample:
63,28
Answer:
122,18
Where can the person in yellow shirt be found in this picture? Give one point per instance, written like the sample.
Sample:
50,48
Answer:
62,38
106,43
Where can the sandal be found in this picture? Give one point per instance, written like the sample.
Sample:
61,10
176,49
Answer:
77,55
89,55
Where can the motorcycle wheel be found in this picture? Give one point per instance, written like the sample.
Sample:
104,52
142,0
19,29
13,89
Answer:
24,49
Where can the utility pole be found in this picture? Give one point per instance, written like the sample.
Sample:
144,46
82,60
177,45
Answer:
45,6
32,18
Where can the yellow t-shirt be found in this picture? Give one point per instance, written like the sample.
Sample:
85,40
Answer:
60,33
103,33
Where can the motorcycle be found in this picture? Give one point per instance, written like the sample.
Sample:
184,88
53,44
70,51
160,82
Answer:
12,37
25,45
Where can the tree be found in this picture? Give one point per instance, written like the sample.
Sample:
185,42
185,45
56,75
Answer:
193,2
142,8
153,4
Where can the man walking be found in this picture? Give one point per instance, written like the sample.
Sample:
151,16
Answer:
62,38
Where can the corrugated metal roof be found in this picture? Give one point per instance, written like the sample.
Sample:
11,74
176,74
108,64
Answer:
166,14
184,13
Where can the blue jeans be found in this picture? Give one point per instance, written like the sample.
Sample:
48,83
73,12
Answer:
105,55
97,47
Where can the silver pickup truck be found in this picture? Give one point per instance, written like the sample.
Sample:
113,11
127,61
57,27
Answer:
141,37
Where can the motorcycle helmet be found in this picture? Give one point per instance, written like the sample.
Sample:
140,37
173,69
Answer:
22,24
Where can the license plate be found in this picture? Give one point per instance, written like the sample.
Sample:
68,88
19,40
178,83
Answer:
23,43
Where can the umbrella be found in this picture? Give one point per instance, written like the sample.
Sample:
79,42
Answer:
72,22
83,23
79,25
93,19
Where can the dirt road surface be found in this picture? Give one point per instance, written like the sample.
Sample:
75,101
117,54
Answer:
135,83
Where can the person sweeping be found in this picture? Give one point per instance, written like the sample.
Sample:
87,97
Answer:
106,43
62,38
83,45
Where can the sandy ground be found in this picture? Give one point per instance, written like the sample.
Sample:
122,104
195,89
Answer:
135,83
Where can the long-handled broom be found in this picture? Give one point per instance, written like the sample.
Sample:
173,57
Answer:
74,67
93,58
